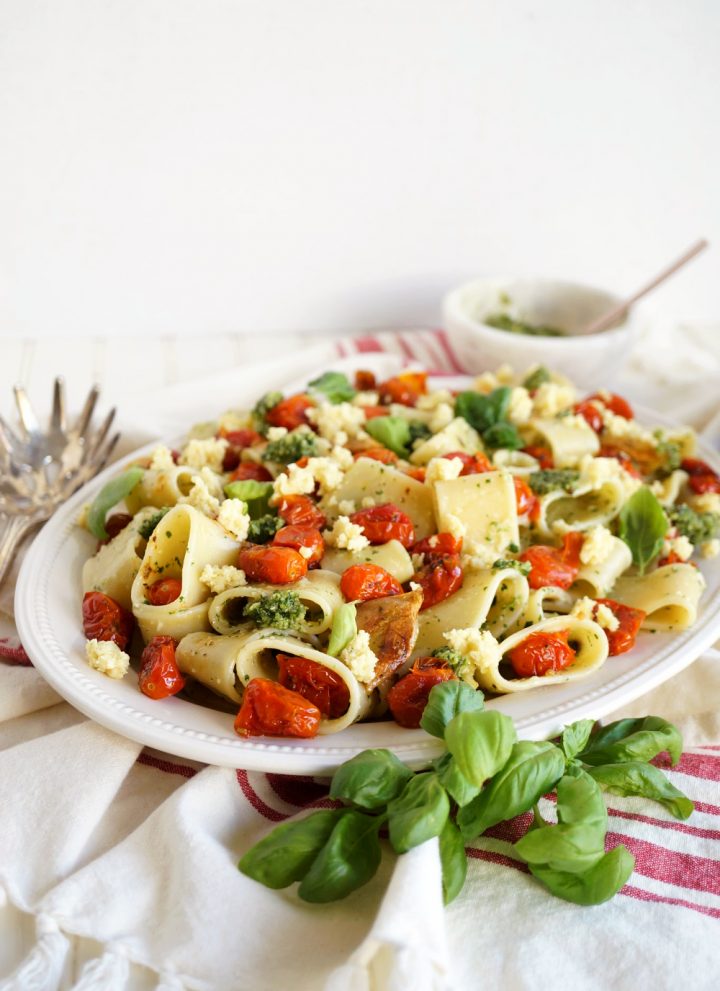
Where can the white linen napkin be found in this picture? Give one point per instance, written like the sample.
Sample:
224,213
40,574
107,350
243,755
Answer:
126,858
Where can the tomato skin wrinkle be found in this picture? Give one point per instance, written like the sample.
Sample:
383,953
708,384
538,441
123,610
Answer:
541,653
164,591
409,696
270,709
362,582
441,544
300,510
385,522
105,619
630,619
554,565
315,682
290,413
439,579
272,564
300,536
404,389
159,675
525,499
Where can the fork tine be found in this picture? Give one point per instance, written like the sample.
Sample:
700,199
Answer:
109,448
58,419
87,411
8,437
28,419
100,436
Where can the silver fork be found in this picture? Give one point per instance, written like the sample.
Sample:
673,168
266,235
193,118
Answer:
39,470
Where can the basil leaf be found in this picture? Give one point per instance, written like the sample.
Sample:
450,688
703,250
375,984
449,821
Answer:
646,780
643,525
334,386
418,813
578,841
531,771
350,857
575,737
446,701
453,861
503,435
454,782
480,742
343,629
483,412
371,779
255,495
288,852
633,739
594,886
393,432
110,495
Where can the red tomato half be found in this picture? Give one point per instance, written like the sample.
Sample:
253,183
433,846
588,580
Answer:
164,591
554,565
409,696
249,471
299,536
300,510
383,523
405,388
612,451
318,684
275,565
525,498
159,674
441,544
269,709
365,381
542,653
361,582
702,477
439,579
616,404
290,413
381,454
591,414
105,619
630,620
543,455
473,464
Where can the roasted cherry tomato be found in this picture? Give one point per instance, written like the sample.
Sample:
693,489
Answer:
405,388
269,709
702,477
318,684
105,619
159,674
383,523
525,498
248,470
543,455
591,414
164,591
417,473
409,696
371,412
554,565
300,510
439,579
440,544
361,582
115,524
365,381
473,464
616,404
237,440
630,620
301,537
378,454
290,413
541,653
613,451
672,558
275,565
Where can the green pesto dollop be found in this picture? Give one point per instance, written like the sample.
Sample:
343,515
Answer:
279,610
501,321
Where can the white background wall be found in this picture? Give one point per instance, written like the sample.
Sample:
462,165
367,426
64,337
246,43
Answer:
190,166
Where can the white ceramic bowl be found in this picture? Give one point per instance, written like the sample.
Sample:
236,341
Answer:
585,358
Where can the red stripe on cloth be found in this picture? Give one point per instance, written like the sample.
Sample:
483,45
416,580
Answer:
167,766
13,652
444,342
299,791
512,830
681,869
695,765
649,896
257,803
405,347
680,827
713,810
496,858
341,349
364,345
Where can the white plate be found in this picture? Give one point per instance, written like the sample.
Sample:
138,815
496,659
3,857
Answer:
47,607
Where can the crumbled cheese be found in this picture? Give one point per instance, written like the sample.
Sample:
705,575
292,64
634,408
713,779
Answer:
622,429
601,614
455,526
418,560
332,420
210,452
276,433
443,470
678,545
367,501
326,472
594,472
552,398
478,555
201,498
597,546
492,380
359,657
576,422
232,420
161,459
705,502
479,648
342,456
443,414
711,548
346,507
521,406
415,587
106,657
366,399
458,435
234,517
219,578
345,534
433,399
213,481
296,481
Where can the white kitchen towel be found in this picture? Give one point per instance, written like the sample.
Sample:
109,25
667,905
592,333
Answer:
126,858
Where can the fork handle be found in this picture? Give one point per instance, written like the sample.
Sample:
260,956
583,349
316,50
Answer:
12,530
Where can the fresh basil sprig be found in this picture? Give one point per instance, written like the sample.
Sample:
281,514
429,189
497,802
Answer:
333,387
484,777
643,525
488,415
